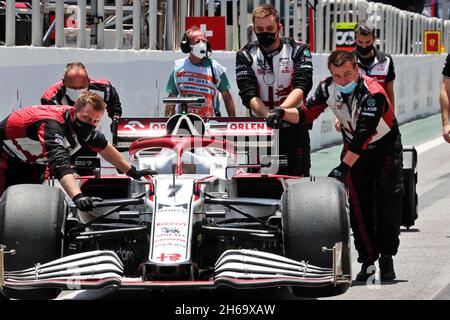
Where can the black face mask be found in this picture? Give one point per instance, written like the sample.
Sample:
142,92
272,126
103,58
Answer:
82,129
266,39
364,51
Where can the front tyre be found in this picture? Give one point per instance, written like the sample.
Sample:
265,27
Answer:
314,216
31,219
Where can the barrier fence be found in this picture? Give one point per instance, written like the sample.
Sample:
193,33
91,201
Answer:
159,25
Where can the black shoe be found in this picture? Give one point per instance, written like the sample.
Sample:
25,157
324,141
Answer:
367,270
386,264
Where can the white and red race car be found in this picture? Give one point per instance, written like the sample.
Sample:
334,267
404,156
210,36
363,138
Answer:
214,213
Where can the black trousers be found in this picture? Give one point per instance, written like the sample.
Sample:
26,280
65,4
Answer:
295,145
375,185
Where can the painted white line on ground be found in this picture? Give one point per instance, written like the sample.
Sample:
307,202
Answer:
441,281
429,145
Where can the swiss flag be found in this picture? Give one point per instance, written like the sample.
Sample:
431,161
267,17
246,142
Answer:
212,27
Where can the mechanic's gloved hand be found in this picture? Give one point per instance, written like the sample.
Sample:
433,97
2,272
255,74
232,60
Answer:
137,174
274,119
340,172
83,203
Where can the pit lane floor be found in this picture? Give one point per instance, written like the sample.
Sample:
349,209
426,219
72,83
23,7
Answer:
423,262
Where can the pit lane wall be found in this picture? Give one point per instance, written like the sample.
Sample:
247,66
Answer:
140,78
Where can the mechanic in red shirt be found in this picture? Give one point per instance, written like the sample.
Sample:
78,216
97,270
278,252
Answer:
33,137
371,162
75,80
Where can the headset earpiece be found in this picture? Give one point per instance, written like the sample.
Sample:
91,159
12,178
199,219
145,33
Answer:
185,45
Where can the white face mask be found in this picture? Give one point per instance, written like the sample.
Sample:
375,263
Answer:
199,50
73,94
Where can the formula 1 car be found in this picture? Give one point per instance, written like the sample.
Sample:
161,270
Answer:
213,213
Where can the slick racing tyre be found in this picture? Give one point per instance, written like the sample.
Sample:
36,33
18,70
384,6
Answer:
31,219
315,216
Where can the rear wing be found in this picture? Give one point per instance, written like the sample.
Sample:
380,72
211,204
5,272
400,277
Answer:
251,136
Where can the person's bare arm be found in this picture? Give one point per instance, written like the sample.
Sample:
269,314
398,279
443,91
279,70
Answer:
69,184
291,115
229,103
258,107
445,106
170,108
309,112
294,99
114,157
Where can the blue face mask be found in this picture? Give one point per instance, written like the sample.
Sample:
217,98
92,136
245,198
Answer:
347,89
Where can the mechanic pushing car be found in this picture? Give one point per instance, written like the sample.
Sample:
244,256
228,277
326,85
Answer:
35,136
200,76
371,162
277,72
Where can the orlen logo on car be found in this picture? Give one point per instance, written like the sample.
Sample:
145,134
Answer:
247,126
158,126
135,125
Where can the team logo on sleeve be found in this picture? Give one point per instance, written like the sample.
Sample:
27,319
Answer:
371,102
307,53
